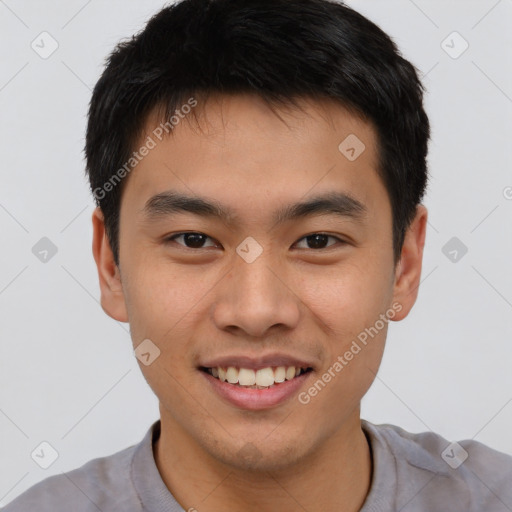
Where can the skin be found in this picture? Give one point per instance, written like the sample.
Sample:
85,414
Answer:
307,302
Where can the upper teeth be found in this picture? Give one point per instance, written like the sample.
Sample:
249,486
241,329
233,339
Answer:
247,377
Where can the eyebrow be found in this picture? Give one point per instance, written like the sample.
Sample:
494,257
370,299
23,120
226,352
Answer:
333,203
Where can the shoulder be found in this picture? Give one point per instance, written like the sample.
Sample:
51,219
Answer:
467,475
101,484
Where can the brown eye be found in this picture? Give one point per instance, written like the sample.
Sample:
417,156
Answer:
191,240
318,241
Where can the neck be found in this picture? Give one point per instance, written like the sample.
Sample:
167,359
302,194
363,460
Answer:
335,476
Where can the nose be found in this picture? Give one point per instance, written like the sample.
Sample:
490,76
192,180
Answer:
255,298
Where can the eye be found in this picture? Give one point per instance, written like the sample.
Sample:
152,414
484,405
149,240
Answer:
195,240
191,240
319,241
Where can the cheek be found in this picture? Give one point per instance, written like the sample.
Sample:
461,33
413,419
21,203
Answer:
348,303
347,298
163,300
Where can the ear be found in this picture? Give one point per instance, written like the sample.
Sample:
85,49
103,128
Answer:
112,297
408,271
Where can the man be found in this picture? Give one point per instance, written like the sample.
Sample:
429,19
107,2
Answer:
259,167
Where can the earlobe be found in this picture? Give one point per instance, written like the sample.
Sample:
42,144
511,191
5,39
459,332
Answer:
111,287
408,270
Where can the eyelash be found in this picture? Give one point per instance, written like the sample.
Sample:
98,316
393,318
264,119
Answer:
174,237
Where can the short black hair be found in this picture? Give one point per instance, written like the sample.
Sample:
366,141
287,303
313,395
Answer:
280,50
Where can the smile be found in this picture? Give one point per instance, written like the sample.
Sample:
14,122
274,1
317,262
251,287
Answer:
255,389
256,379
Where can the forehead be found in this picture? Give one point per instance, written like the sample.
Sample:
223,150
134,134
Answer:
239,151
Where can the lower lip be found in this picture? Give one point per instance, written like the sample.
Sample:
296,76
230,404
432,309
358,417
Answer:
256,399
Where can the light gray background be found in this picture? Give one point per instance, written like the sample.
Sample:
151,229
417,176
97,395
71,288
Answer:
68,375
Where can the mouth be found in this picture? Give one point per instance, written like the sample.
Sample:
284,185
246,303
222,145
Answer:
262,378
257,381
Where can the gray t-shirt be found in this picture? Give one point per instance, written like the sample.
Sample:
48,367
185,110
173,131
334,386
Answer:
412,473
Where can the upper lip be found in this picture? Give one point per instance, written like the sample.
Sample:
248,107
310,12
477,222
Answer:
256,363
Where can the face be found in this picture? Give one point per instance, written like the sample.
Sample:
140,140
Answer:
256,279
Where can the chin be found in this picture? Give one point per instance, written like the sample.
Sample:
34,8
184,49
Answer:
260,457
